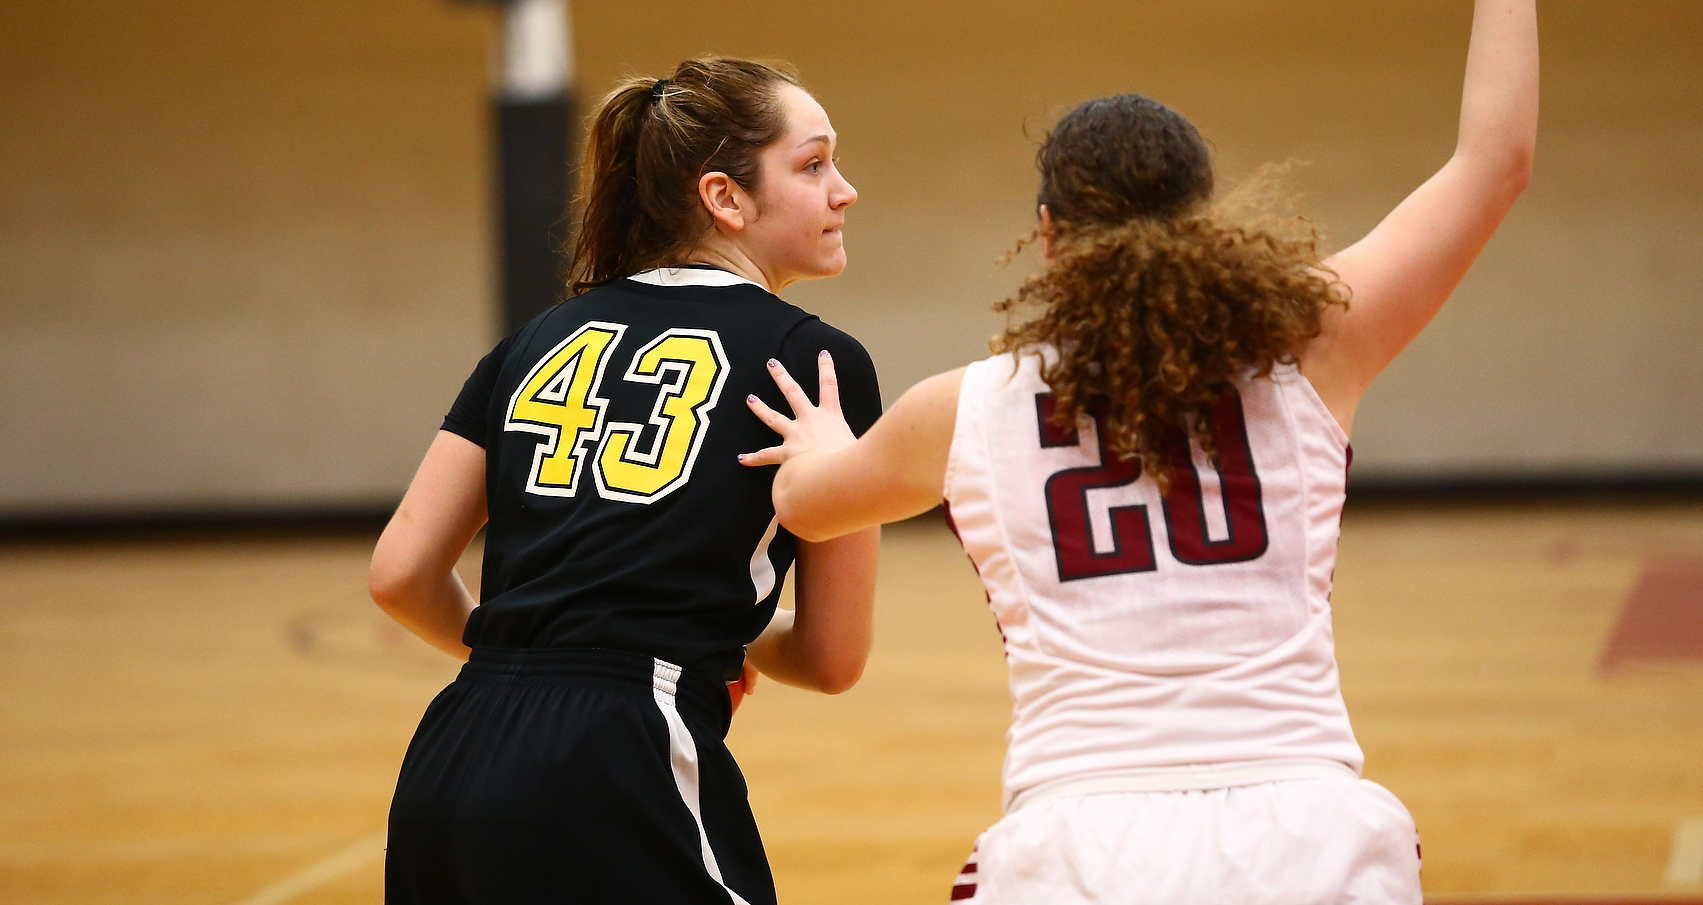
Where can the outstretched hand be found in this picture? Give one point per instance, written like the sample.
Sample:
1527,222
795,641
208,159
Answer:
813,429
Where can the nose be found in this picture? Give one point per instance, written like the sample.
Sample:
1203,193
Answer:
845,194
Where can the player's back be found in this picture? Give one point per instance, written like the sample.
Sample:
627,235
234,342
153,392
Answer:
1157,640
620,516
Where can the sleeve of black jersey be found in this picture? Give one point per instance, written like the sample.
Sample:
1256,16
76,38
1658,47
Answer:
470,416
860,394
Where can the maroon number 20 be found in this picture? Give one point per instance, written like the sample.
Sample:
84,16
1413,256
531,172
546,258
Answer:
1184,505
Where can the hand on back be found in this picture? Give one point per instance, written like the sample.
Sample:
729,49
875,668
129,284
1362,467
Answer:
813,428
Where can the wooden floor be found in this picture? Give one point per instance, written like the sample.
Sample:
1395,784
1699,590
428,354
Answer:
221,723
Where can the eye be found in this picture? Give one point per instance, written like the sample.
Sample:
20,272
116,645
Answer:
814,166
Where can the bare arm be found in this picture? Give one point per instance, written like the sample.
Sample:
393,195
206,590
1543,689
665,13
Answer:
824,643
1403,271
412,576
830,484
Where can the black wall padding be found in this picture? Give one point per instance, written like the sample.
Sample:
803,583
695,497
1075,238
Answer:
534,179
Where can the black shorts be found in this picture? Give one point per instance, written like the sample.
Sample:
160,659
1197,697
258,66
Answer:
574,776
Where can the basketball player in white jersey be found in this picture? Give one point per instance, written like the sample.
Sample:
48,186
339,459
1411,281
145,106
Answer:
1150,485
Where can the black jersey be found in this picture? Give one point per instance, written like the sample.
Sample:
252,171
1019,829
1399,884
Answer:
620,516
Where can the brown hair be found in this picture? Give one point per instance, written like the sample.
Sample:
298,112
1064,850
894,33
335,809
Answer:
1155,300
649,143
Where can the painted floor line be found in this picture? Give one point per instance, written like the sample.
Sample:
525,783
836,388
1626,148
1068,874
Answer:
350,858
1685,863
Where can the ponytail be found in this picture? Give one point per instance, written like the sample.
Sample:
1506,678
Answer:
609,204
649,143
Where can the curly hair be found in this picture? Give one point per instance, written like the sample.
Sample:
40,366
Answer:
1155,299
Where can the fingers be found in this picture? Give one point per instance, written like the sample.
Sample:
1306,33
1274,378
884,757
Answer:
828,383
774,455
775,420
789,388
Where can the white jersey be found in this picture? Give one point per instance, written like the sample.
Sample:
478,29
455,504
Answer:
1157,642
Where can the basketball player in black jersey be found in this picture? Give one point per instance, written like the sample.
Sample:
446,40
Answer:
631,564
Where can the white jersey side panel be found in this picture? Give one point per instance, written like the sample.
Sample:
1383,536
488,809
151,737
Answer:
1146,633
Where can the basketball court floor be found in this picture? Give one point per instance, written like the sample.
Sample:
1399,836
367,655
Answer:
219,722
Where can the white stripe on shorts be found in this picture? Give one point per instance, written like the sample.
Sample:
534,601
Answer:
683,756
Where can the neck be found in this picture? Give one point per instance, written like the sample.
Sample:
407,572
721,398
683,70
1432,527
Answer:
718,252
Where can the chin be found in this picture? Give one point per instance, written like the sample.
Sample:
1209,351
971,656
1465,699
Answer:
822,269
835,263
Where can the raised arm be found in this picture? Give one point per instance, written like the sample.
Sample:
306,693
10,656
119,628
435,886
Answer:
1403,271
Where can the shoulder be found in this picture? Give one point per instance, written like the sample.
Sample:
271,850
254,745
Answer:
498,354
942,389
812,335
1004,370
550,320
860,388
921,425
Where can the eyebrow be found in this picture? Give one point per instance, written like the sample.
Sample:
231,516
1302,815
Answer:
821,138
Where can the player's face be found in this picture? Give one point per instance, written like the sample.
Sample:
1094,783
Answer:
802,198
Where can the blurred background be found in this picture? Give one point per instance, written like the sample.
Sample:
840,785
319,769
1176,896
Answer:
248,253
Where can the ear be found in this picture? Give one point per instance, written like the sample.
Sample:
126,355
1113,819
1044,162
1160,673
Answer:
1046,230
728,204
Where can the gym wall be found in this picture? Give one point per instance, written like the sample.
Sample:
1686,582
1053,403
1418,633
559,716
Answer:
246,251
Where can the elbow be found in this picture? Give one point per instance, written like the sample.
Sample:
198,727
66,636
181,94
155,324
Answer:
840,678
805,531
1502,173
794,519
1517,168
389,584
838,670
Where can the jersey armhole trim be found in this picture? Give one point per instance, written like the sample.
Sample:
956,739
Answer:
1313,398
1297,450
953,451
1023,596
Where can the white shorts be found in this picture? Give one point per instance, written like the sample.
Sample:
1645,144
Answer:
1296,842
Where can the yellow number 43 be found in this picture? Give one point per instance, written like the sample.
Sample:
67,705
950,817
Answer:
559,401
